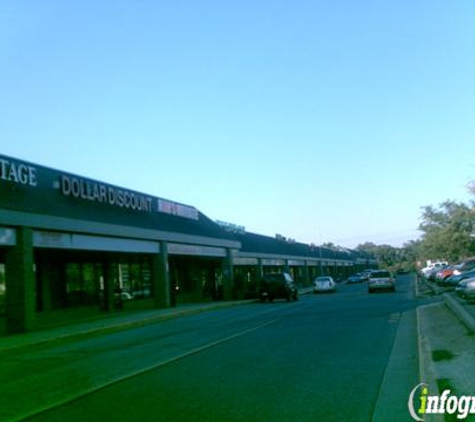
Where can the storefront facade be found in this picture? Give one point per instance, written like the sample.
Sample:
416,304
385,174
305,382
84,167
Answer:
70,242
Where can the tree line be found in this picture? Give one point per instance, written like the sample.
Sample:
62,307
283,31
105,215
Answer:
447,233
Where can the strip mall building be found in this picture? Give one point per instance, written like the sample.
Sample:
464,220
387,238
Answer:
69,243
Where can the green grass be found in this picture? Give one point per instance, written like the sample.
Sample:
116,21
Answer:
438,355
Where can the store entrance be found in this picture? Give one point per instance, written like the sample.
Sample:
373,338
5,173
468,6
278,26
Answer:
195,279
105,281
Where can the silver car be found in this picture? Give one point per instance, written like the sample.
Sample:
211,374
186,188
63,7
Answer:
381,280
324,285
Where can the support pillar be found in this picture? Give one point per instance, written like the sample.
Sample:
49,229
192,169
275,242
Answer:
109,285
20,284
161,278
286,266
260,270
306,275
228,276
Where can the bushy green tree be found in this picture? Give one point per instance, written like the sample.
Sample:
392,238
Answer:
447,231
386,255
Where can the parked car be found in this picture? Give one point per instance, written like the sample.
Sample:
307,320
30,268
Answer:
365,274
444,273
467,265
381,280
278,286
431,275
454,280
434,267
355,278
324,285
466,288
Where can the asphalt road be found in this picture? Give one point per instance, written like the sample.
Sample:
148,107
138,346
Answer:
323,358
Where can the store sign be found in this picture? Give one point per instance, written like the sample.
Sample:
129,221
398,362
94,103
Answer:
231,227
273,262
245,261
169,207
184,249
20,173
295,263
37,189
46,239
99,192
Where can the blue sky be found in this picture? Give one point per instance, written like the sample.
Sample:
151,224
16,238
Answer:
329,121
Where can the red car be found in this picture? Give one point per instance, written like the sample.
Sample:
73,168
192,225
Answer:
445,273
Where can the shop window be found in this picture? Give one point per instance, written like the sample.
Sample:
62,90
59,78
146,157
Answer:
73,284
135,280
82,284
140,280
91,274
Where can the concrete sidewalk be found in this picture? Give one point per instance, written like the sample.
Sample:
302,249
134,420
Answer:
462,309
446,345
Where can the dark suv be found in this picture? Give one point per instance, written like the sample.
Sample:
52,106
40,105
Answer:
278,286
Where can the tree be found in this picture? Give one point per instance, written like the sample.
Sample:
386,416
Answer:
447,231
471,187
387,256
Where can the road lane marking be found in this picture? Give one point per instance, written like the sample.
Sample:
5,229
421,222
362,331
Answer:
142,371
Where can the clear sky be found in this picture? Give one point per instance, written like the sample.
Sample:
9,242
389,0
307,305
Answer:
330,121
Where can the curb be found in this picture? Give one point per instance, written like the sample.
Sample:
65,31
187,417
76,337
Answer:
436,290
462,314
427,374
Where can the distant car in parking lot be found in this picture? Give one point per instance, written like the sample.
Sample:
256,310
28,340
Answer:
454,280
356,278
278,286
381,280
433,268
324,285
466,265
365,274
